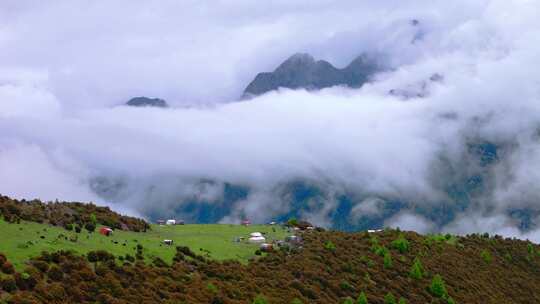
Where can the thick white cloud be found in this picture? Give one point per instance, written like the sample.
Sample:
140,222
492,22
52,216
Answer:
66,66
410,222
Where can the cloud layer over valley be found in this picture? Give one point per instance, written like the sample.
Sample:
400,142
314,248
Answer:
460,153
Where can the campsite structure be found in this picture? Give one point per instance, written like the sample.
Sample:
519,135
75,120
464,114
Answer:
246,222
266,247
174,222
256,237
106,231
293,239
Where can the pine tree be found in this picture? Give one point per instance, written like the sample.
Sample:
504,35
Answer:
260,299
438,288
362,299
348,301
417,272
401,244
387,260
389,298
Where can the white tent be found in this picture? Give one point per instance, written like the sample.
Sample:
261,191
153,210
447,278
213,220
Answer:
171,222
255,234
257,239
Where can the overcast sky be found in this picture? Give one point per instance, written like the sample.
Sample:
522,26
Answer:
66,66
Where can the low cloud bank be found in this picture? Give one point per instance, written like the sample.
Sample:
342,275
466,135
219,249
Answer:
458,154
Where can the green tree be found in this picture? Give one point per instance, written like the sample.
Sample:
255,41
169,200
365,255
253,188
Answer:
486,256
450,301
402,301
92,256
389,298
260,299
437,287
292,222
296,301
93,219
345,285
379,250
401,244
417,271
530,249
329,246
91,227
362,299
387,260
348,300
212,288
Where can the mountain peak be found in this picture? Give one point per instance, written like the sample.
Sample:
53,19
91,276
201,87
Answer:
302,71
143,101
300,58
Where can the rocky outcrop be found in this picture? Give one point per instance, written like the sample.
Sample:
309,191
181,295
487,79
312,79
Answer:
302,71
147,102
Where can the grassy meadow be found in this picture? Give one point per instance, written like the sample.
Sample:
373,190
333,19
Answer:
21,241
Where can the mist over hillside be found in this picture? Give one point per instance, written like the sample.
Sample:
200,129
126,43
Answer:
445,138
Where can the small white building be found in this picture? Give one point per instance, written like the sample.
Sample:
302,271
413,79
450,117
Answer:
170,222
168,242
255,234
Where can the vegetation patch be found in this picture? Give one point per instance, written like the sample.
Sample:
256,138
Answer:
204,266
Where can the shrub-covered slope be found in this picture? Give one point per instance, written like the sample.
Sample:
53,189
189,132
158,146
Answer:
330,267
67,214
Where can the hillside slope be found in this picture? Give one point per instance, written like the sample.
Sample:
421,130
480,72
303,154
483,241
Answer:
19,242
330,267
326,267
67,214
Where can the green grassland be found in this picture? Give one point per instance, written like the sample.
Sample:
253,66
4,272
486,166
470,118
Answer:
21,241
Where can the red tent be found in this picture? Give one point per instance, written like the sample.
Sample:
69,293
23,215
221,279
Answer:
105,231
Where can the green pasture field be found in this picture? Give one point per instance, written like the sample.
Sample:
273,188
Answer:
21,241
